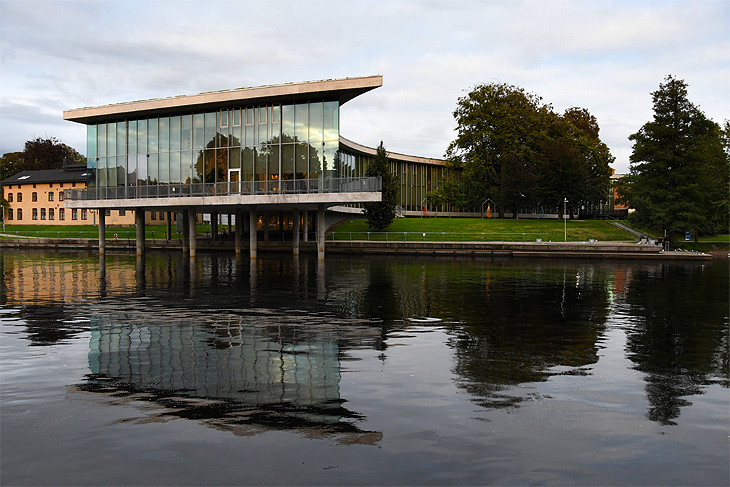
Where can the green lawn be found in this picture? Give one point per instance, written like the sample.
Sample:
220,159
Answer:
477,229
156,232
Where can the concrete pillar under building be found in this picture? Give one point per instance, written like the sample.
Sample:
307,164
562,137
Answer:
169,226
239,231
305,229
192,226
295,233
252,232
139,226
214,225
102,231
185,232
266,226
320,232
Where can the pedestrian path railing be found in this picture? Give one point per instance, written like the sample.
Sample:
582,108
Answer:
438,236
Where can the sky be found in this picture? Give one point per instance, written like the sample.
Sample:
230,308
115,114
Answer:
604,56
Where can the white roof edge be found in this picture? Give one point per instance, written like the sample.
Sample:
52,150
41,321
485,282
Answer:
394,155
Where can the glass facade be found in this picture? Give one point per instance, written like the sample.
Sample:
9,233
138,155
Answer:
263,143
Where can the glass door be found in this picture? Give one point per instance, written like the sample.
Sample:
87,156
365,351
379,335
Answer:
234,181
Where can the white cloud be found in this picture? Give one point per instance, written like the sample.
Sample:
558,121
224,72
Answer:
606,56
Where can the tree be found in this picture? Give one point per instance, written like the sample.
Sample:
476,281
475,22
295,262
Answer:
48,154
10,163
515,150
381,214
679,174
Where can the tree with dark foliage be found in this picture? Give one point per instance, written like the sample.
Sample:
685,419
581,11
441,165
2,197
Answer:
381,214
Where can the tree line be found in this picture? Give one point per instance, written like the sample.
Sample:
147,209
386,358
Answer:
38,154
515,150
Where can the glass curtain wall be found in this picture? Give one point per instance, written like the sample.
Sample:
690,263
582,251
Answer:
261,145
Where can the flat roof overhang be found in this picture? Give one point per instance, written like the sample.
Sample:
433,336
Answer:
231,202
369,151
336,89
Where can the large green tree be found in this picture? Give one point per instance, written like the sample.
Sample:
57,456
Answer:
515,150
381,214
38,154
680,172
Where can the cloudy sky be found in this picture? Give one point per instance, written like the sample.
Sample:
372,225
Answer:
605,56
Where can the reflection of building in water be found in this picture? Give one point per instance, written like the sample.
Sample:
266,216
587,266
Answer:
261,376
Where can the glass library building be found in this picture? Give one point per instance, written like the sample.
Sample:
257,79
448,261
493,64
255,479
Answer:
250,153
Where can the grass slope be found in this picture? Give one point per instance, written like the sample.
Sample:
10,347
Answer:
477,229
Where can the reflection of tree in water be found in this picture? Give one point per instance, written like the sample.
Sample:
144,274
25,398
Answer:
50,324
524,321
510,323
680,340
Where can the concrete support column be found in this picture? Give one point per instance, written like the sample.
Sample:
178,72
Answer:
192,227
230,224
252,232
305,230
214,225
102,231
320,232
186,232
139,225
295,233
266,226
239,231
169,225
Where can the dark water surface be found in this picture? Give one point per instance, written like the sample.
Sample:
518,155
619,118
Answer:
370,371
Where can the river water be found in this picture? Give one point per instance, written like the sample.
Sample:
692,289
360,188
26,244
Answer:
362,371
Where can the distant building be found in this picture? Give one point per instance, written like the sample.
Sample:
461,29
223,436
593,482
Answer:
36,198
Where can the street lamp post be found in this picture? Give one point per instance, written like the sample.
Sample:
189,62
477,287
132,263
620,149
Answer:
565,217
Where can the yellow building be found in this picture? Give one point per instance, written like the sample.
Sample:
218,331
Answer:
36,198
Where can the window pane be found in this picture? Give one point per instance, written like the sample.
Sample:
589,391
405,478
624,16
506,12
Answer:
91,131
152,140
210,130
235,162
199,173
174,133
316,123
273,151
153,175
221,159
132,137
315,161
164,134
287,123
111,139
331,121
301,157
186,139
142,137
261,169
175,167
198,131
209,156
102,140
250,135
330,150
287,161
164,168
186,167
142,169
249,116
263,134
301,122
248,169
132,170
121,138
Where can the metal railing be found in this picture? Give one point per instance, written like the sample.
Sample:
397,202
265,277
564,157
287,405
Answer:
438,236
268,187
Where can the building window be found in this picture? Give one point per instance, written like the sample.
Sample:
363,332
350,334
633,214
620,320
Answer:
153,215
73,185
50,196
162,215
35,214
107,212
20,199
43,213
20,213
60,196
61,213
74,214
10,197
51,213
34,196
83,214
122,212
10,213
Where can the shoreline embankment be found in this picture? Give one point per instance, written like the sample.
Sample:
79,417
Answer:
572,250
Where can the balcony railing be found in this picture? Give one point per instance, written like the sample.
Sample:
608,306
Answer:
231,188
